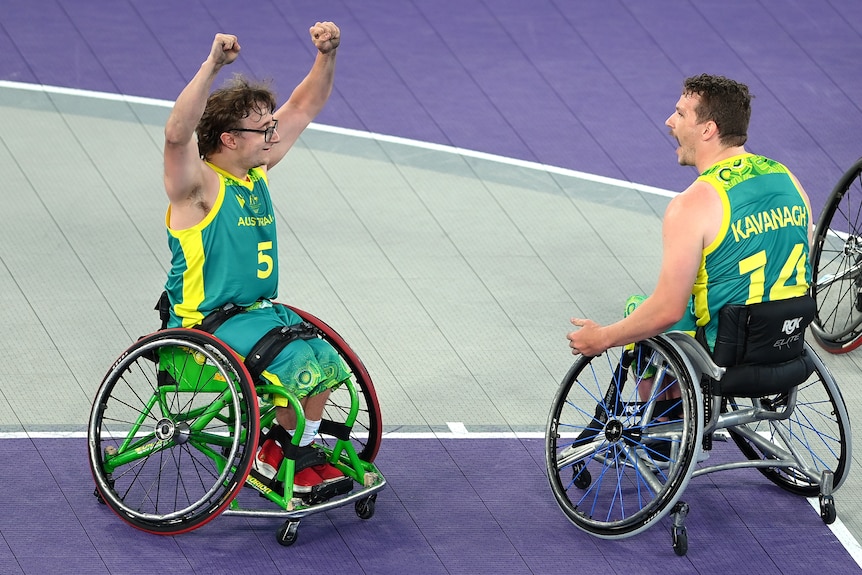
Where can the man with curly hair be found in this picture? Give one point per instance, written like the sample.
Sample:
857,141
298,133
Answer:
222,233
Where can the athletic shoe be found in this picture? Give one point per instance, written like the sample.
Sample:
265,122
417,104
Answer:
328,472
268,459
305,479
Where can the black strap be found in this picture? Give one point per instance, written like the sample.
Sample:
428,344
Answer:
271,344
335,429
210,323
163,306
217,317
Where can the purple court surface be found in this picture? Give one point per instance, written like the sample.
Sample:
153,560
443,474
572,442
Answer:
578,84
451,506
584,85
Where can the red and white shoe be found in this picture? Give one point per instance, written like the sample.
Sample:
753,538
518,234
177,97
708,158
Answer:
268,459
305,479
328,472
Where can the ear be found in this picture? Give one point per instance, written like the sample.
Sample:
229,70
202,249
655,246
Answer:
709,130
228,140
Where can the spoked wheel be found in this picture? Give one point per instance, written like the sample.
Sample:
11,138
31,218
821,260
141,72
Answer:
836,263
617,459
367,430
173,431
817,432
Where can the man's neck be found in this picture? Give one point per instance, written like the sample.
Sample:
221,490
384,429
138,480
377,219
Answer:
233,168
709,160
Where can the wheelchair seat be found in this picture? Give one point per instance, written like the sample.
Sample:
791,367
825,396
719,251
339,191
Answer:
762,347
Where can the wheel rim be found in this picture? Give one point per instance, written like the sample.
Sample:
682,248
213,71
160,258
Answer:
836,262
164,459
615,443
816,431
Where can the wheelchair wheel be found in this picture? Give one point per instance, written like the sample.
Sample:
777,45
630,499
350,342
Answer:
836,264
367,430
173,431
817,432
618,460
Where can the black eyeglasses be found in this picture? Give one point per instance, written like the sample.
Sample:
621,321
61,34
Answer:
267,133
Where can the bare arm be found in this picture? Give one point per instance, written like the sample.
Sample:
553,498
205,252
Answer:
184,169
690,223
811,223
309,97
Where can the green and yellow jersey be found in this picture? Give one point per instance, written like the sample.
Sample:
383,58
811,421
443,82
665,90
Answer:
229,257
761,251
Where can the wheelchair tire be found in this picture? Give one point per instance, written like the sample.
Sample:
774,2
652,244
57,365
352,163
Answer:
818,431
603,443
173,431
367,430
836,266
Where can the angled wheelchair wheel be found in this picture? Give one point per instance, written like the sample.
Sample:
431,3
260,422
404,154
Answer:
173,431
619,459
817,433
836,264
367,429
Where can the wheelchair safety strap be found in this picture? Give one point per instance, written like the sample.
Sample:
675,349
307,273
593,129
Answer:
271,344
209,324
216,318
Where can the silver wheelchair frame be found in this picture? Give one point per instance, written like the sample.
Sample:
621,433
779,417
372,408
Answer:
627,428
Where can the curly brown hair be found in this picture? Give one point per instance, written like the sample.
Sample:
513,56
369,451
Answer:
725,102
225,107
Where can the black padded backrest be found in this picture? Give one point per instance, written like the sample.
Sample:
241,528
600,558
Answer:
763,333
763,347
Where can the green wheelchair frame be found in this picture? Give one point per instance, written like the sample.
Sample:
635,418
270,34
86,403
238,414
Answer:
175,426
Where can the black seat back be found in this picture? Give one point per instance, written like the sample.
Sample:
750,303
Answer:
763,346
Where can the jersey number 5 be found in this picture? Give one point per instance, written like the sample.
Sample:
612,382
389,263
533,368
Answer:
264,259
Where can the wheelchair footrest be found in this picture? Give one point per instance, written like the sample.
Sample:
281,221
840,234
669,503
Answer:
328,490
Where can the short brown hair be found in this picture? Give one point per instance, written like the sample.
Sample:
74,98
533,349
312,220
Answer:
725,102
225,107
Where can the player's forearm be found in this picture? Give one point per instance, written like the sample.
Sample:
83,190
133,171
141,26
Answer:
649,319
190,104
312,93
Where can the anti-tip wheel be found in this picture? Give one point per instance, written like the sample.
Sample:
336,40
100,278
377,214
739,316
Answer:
365,507
288,533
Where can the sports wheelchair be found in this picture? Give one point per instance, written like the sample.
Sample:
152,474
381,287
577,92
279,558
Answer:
836,263
627,428
176,423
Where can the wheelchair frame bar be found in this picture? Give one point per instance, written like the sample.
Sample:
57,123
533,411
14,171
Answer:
316,508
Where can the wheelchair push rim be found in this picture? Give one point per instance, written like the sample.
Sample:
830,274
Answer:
173,431
617,463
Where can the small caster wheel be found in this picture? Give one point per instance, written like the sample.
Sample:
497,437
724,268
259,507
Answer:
827,509
680,540
365,507
98,494
287,533
581,476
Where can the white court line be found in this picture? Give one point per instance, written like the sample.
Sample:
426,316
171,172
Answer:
457,427
361,134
